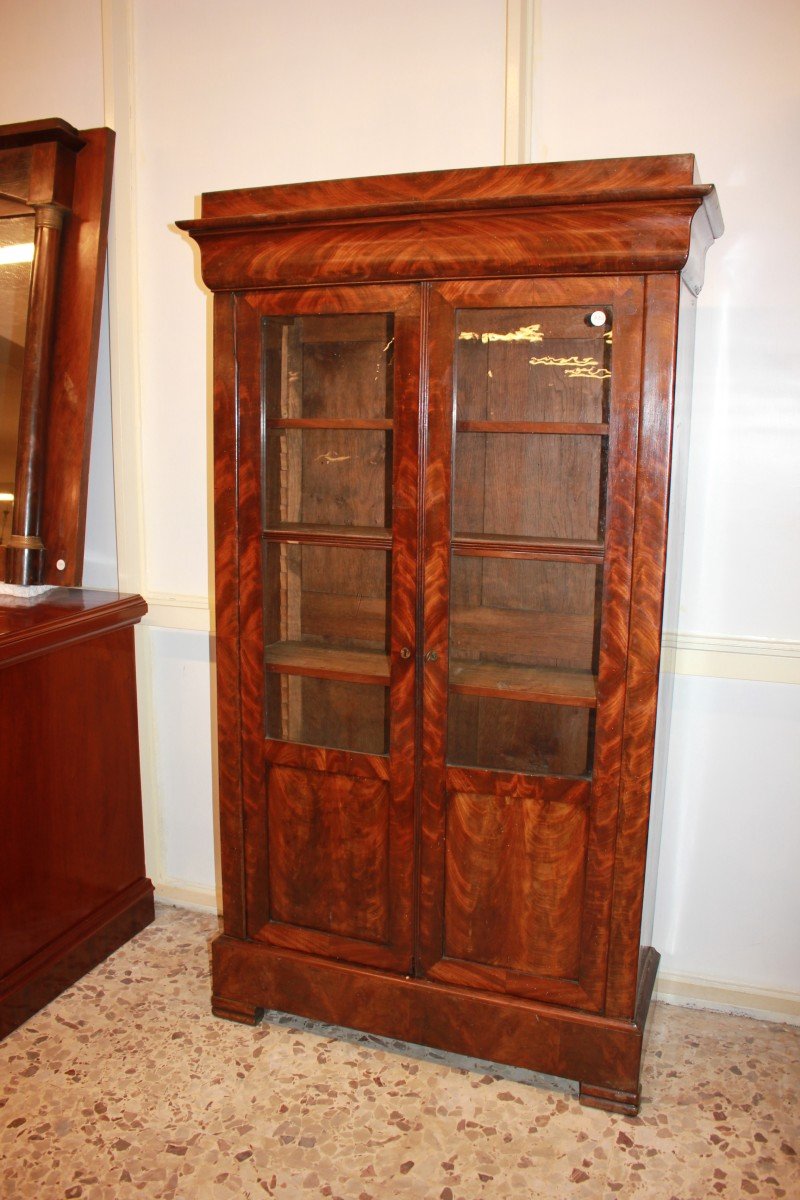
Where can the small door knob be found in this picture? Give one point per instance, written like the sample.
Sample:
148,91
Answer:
405,652
431,656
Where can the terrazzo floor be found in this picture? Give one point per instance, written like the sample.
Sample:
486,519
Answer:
126,1086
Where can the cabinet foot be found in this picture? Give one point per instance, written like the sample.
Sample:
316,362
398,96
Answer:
233,1010
626,1103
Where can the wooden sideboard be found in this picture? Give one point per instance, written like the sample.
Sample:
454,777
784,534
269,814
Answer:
72,876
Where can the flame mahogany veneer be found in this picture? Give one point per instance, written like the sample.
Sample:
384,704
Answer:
72,876
425,892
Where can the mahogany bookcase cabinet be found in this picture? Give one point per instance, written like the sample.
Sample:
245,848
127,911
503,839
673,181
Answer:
444,419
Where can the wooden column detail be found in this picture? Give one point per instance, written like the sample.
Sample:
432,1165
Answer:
26,546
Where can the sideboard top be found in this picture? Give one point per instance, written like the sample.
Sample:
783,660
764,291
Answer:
60,617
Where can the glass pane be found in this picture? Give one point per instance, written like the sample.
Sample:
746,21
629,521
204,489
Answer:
327,712
523,632
537,614
508,735
325,367
329,477
328,386
327,596
518,372
533,364
529,485
531,446
16,256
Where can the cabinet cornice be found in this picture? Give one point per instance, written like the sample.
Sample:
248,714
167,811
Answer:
623,216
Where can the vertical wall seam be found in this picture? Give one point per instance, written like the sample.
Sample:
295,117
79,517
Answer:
518,81
126,418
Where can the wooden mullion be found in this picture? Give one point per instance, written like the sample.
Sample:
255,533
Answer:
346,423
659,379
553,428
250,468
508,546
626,366
329,535
436,629
291,482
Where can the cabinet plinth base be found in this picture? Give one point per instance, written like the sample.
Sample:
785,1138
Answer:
603,1052
231,1010
610,1100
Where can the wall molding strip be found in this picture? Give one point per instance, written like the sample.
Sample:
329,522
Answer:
764,660
179,894
723,996
168,610
119,114
519,80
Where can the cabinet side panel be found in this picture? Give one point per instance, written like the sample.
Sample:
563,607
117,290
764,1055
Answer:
227,616
650,538
672,592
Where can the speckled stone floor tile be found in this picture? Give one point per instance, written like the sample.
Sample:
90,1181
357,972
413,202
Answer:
126,1086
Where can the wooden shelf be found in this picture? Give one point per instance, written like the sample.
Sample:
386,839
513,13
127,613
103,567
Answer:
560,428
366,537
501,545
328,423
508,681
327,662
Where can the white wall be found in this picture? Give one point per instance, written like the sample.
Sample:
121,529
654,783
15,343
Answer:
727,903
52,62
277,92
719,78
283,91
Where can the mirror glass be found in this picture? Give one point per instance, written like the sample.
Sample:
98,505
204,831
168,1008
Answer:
16,259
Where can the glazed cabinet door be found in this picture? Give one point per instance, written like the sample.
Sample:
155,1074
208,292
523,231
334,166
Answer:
534,400
328,385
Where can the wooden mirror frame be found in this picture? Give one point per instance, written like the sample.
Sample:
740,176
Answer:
62,176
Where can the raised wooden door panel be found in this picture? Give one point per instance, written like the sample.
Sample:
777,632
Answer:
534,403
328,387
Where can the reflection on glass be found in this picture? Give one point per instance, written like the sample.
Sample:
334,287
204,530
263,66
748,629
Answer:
328,399
16,253
532,405
329,477
329,367
327,403
531,437
533,364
